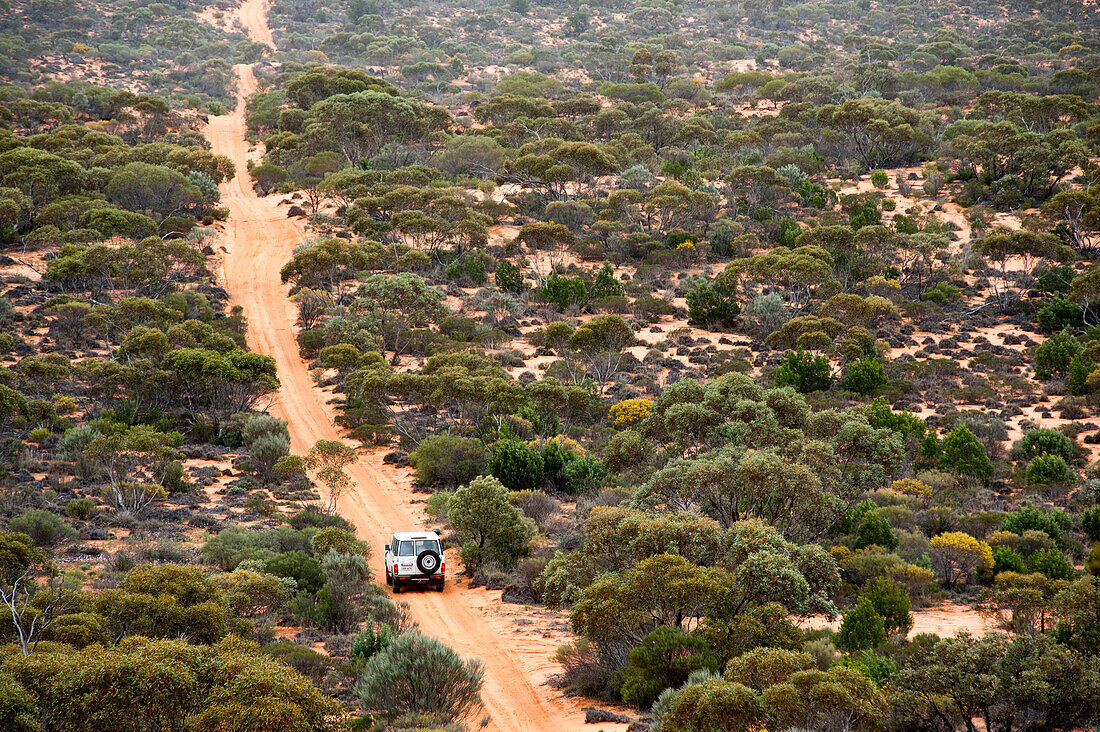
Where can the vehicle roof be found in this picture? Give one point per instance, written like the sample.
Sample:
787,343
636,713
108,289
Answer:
399,535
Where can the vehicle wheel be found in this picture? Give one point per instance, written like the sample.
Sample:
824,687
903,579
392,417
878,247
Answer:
438,585
397,586
428,562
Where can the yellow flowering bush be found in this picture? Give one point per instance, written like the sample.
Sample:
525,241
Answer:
956,555
911,487
565,443
630,412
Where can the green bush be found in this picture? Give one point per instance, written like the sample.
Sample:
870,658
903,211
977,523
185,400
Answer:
804,371
565,291
892,602
1058,315
1053,563
299,566
509,278
1047,469
568,472
1053,523
370,642
1036,442
489,527
861,628
447,460
517,465
1090,523
965,456
80,508
664,660
415,674
1053,356
583,475
941,293
875,529
712,307
44,527
1007,559
865,376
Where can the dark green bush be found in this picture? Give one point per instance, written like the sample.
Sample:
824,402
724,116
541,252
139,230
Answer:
865,376
664,660
517,465
861,628
804,371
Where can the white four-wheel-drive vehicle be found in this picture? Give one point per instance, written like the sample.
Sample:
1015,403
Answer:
415,557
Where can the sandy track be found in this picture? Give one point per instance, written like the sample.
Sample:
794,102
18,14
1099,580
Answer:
253,15
259,238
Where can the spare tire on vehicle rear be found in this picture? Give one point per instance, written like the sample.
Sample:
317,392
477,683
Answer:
428,562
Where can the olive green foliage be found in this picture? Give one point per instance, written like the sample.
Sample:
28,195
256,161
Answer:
489,527
415,674
448,460
167,684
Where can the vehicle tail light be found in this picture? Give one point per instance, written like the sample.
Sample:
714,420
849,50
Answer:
395,568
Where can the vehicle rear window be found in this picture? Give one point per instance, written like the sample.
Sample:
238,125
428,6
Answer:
413,547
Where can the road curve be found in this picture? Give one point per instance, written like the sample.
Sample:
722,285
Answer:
259,238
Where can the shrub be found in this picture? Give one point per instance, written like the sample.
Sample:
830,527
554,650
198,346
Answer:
862,627
1090,523
942,292
1053,523
509,278
80,508
517,465
1058,315
582,475
1007,559
447,460
44,527
665,659
415,674
1036,442
804,371
1053,356
1047,469
299,566
268,440
875,529
879,179
565,291
342,541
712,307
892,602
370,642
957,555
965,456
1051,562
765,315
865,376
489,527
630,412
